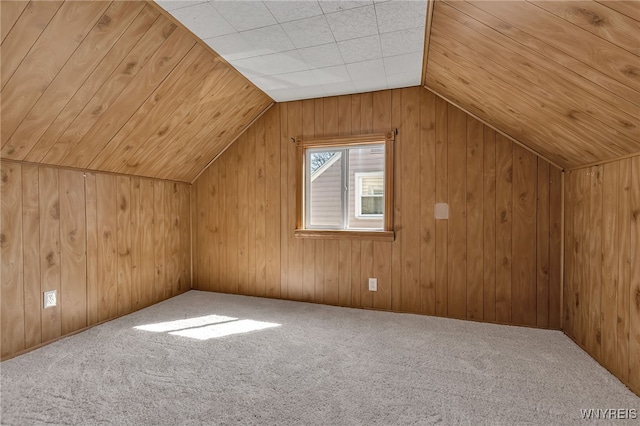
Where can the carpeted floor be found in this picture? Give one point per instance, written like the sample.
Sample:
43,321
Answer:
208,358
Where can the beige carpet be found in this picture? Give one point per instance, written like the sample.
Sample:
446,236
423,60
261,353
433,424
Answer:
207,358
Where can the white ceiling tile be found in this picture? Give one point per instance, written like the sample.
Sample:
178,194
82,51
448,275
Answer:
203,20
369,85
232,46
285,11
409,63
281,63
360,49
367,70
403,80
353,23
341,88
309,32
401,15
337,6
298,79
332,75
326,55
268,39
296,93
169,5
401,42
245,15
251,67
270,83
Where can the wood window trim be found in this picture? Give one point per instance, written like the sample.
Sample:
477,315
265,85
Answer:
387,234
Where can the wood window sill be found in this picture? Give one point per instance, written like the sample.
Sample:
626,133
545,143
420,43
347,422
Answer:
325,234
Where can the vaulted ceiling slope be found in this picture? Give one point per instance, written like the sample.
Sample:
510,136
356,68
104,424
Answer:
118,87
561,77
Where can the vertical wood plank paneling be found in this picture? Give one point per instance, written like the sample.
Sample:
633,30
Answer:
594,336
442,196
31,255
610,272
457,250
124,244
148,241
410,204
475,223
624,269
202,255
542,235
460,267
523,284
284,200
396,246
273,204
185,237
136,245
504,194
489,224
243,214
260,209
107,205
50,248
93,233
73,261
214,247
555,254
634,290
231,206
12,314
159,241
71,231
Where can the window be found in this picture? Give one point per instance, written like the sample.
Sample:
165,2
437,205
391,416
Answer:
345,187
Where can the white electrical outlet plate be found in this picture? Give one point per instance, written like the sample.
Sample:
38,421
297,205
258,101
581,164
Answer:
373,284
50,299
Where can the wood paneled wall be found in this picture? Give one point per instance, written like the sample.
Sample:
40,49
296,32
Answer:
496,259
108,244
602,272
118,87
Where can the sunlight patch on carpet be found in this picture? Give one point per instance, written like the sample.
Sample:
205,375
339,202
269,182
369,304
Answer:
162,327
224,329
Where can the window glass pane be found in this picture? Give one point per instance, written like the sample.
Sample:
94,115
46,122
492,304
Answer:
366,187
325,189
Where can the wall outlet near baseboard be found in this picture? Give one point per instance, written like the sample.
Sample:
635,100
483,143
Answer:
373,284
50,299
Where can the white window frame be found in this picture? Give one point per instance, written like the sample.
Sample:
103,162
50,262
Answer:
358,194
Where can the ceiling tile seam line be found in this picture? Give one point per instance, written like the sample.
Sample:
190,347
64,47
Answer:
244,130
486,123
90,170
80,87
94,158
61,68
583,29
572,70
198,40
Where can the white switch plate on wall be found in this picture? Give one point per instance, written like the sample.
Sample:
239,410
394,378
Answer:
373,284
50,299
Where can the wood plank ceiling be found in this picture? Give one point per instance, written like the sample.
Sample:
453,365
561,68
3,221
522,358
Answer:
117,87
561,77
